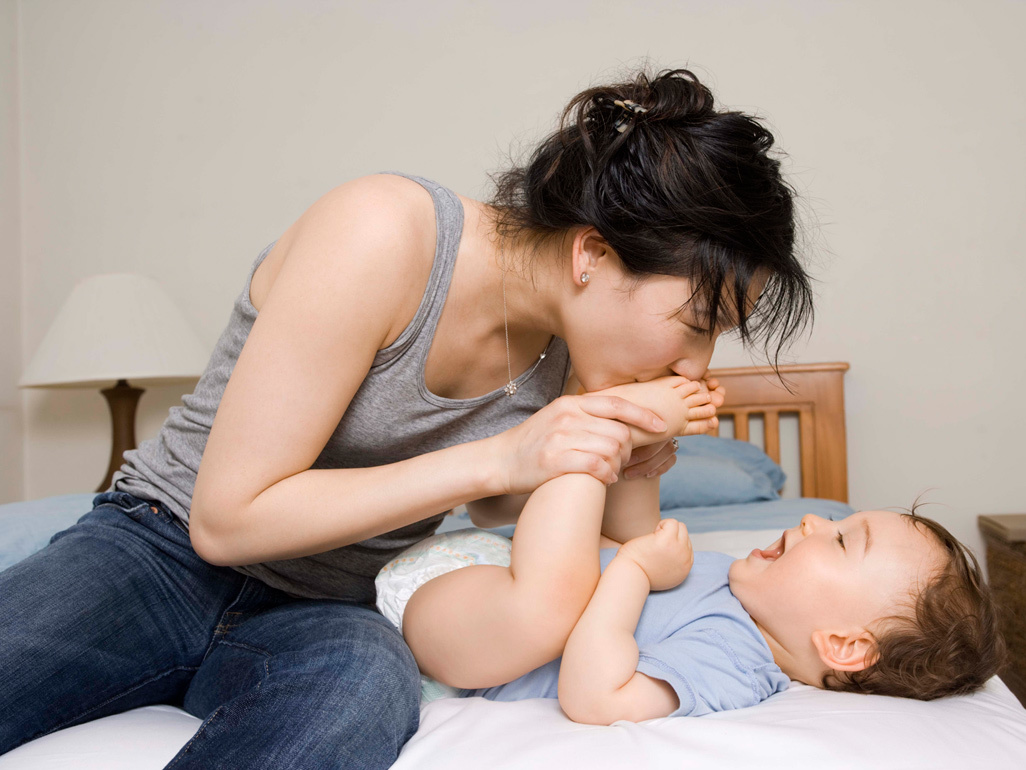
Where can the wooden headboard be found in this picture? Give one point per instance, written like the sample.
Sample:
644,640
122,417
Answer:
817,400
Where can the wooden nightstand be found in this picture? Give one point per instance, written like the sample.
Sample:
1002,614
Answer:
1005,536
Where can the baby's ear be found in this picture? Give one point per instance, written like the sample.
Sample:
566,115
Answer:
853,650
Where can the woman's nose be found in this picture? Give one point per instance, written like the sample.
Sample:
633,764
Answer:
692,368
695,362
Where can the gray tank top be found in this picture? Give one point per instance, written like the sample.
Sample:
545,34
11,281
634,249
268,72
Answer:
392,417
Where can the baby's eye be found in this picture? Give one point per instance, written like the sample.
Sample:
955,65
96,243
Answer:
840,539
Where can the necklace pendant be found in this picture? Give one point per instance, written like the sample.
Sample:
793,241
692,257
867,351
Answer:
511,389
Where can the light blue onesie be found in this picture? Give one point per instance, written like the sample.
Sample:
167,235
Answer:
696,636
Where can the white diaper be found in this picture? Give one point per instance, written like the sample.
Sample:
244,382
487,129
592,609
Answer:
428,559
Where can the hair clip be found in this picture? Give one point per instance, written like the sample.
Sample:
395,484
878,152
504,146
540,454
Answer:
630,110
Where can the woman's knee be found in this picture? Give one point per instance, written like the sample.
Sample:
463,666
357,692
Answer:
368,679
333,685
372,647
340,650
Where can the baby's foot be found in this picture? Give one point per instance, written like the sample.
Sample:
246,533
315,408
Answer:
687,406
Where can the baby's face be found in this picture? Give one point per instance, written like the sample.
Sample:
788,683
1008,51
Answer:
834,575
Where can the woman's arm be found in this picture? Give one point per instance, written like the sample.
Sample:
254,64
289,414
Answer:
331,307
598,678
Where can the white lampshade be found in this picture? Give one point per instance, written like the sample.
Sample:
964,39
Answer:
119,326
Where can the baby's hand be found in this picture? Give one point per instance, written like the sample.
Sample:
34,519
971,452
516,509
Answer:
664,555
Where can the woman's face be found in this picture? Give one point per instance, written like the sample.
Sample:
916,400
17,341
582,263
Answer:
617,335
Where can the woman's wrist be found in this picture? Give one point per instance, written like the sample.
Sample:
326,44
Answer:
493,467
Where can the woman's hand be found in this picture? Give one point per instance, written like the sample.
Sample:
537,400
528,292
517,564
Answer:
650,461
573,434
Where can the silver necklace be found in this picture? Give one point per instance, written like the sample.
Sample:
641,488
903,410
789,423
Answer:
511,387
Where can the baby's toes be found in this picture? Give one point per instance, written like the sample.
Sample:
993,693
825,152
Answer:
702,412
698,399
698,427
686,387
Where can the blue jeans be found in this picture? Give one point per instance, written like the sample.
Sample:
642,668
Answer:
118,611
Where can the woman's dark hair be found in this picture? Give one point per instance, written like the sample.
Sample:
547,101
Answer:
683,190
947,642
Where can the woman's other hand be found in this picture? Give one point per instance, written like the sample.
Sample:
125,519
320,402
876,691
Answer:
651,461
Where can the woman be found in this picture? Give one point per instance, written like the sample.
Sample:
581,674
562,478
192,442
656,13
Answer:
363,387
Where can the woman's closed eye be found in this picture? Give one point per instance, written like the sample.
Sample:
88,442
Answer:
696,330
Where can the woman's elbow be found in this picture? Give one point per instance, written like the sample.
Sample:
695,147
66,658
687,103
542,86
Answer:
207,545
206,548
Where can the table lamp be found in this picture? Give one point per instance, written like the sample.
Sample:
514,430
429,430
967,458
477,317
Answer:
111,329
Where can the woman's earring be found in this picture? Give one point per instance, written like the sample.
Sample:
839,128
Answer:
585,277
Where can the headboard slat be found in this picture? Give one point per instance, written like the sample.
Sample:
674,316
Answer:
817,396
741,424
772,434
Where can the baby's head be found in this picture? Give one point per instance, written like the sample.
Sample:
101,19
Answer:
879,602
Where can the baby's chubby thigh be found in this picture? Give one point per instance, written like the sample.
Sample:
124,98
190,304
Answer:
431,558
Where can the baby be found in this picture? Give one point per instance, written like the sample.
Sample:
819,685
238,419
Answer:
878,602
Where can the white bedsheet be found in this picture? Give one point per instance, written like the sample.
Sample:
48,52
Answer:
800,728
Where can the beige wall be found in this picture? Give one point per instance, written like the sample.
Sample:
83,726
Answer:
178,137
11,429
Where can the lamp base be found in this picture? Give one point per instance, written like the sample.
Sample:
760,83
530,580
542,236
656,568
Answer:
122,400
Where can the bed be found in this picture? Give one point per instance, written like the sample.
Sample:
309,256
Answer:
727,489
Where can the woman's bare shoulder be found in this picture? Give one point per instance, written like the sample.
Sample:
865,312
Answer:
344,286
380,206
378,229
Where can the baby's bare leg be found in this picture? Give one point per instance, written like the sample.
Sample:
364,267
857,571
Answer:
481,626
632,505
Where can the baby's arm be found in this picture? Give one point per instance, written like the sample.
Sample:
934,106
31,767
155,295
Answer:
598,678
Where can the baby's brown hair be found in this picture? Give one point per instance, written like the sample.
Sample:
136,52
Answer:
950,642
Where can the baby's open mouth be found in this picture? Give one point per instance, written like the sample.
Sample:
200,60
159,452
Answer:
774,551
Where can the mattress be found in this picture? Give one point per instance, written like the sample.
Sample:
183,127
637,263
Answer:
803,727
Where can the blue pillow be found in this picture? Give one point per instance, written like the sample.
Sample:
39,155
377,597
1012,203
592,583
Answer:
27,527
719,471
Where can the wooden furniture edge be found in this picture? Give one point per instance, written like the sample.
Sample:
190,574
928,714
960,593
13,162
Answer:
815,392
